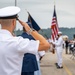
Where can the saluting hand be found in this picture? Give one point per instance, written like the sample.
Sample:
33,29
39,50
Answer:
25,25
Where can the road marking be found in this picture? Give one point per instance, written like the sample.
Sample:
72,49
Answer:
67,70
65,67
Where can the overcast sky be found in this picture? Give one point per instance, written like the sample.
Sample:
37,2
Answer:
42,11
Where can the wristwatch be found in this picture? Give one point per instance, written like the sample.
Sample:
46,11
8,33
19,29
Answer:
31,29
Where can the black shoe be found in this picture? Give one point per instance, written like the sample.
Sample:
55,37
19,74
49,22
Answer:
56,64
41,58
58,67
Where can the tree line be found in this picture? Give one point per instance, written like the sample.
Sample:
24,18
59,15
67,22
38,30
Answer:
70,32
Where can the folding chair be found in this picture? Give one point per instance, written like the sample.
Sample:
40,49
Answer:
73,53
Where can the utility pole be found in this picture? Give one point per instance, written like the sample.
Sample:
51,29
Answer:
15,27
15,2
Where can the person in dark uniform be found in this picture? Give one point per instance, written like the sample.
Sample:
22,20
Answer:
66,46
29,60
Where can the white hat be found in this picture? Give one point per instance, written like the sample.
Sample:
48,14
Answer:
59,32
9,12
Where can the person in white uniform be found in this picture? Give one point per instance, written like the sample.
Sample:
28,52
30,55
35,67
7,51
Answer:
12,48
59,49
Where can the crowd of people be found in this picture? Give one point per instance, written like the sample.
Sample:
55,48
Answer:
69,45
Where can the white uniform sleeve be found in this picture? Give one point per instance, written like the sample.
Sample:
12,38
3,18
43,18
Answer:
41,53
27,46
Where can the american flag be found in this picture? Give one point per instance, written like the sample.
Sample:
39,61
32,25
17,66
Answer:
54,26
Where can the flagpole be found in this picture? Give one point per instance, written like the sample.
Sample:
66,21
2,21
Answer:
54,2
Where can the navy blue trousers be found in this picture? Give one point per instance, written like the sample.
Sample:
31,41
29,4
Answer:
27,73
29,64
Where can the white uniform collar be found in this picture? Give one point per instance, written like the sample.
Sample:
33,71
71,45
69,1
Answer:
4,31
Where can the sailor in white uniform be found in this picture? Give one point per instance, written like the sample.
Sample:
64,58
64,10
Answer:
12,48
59,49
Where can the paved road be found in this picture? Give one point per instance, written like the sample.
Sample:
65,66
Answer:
48,65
